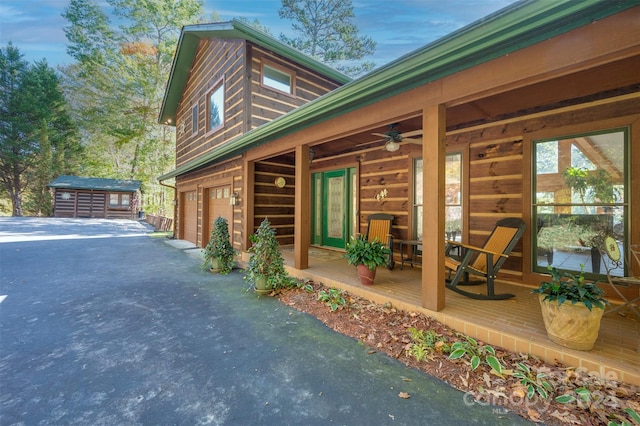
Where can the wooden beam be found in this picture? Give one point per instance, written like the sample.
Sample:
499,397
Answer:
302,222
433,178
248,190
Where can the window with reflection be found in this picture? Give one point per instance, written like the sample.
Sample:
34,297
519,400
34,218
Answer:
215,106
277,79
580,187
453,197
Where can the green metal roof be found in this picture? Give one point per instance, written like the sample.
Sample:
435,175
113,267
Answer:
188,44
95,184
515,27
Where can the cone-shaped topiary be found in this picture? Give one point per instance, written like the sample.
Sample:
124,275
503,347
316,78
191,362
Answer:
219,253
266,259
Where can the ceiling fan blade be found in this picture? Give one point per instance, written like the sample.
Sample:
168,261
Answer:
413,140
412,133
382,135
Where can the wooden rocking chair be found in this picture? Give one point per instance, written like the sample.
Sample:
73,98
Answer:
484,261
379,228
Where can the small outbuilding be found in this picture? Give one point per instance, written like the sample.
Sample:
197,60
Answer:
76,196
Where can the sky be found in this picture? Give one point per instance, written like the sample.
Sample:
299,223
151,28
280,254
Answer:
397,26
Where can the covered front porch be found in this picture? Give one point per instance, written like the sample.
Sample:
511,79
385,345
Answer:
514,324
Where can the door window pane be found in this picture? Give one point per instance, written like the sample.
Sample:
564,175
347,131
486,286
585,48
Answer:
335,214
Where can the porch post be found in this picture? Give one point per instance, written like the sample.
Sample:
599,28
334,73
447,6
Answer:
433,178
248,191
302,222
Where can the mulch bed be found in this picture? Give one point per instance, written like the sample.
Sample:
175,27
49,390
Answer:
386,329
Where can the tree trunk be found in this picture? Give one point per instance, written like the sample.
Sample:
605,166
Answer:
16,202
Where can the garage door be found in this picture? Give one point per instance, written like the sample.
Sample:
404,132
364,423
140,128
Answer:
190,216
219,205
91,204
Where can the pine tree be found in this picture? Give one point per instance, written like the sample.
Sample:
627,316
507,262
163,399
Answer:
326,32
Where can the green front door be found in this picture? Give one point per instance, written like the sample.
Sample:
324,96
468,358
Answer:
333,206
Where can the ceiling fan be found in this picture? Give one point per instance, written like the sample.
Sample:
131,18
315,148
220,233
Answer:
393,137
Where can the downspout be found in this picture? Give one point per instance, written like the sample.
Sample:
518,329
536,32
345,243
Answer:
175,206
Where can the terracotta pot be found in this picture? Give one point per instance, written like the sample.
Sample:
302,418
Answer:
572,326
366,275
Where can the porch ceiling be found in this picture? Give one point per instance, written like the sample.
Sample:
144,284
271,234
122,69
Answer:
585,86
621,77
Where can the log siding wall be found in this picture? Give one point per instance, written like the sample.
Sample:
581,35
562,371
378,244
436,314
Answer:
228,172
248,104
268,104
216,61
273,203
88,203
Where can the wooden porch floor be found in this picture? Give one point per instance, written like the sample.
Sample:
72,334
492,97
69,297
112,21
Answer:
514,324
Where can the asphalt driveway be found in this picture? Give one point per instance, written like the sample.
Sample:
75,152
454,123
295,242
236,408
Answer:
102,324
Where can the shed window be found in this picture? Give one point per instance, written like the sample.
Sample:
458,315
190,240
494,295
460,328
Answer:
277,79
580,196
119,201
215,106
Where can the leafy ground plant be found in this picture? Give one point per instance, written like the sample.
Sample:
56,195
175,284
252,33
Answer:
477,354
535,382
332,298
424,343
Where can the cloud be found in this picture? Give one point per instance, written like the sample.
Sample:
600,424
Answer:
11,15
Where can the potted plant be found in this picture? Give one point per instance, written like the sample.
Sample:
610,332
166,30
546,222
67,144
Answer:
571,309
265,270
219,253
367,256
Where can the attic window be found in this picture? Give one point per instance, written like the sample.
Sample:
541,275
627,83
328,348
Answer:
194,119
277,79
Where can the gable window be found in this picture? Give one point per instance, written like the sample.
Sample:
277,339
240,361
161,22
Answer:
277,79
215,107
194,119
580,191
119,201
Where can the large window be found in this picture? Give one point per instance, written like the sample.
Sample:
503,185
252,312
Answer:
579,199
453,197
215,106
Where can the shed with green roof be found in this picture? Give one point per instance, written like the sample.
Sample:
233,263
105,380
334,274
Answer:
76,196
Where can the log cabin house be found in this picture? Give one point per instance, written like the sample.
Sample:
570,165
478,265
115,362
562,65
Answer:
76,196
480,125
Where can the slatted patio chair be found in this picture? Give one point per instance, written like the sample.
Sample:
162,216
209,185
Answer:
484,261
379,228
609,247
